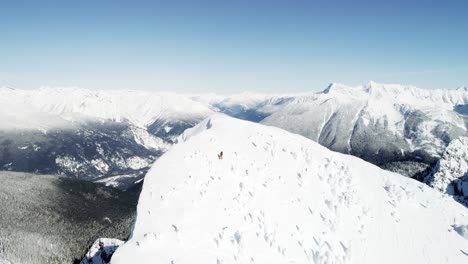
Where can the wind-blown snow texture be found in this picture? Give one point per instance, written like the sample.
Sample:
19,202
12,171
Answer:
277,197
450,175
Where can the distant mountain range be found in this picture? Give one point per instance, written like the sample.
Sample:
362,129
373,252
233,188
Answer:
91,135
379,123
114,136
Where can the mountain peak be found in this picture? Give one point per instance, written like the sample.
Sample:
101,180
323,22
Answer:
329,88
8,88
336,87
462,88
277,196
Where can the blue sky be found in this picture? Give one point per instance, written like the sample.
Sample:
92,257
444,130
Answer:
231,46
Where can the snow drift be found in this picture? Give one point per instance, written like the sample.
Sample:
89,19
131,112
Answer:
276,197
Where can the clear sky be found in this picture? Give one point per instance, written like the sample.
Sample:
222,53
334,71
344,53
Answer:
232,45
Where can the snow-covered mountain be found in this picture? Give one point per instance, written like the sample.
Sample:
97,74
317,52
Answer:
450,175
114,136
380,123
139,108
110,137
276,197
96,135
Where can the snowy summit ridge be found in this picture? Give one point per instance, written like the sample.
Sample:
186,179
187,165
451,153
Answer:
277,197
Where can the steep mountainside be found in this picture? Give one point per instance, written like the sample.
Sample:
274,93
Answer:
138,108
277,197
377,122
49,219
450,175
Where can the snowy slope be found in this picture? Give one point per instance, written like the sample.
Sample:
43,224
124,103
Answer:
380,123
277,197
450,175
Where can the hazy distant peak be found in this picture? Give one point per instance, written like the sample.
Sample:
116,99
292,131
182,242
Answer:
7,88
337,88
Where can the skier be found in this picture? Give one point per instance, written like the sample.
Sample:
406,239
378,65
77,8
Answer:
220,155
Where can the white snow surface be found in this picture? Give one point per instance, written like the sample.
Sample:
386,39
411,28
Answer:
276,197
116,181
385,103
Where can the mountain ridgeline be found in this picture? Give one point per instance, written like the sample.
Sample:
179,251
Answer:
388,125
50,219
114,136
277,197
